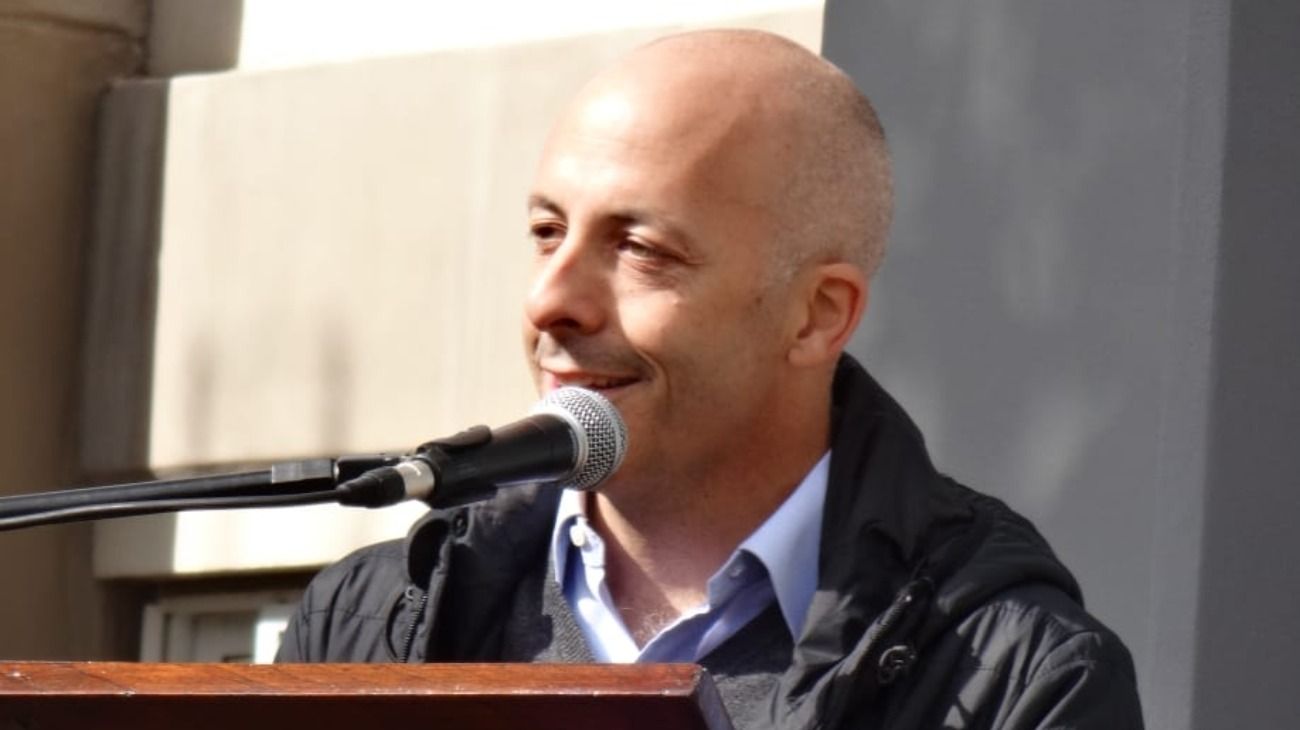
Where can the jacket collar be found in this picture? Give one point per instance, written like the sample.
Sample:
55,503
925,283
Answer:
894,528
890,518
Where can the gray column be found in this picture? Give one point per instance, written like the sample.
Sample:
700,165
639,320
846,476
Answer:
1091,308
56,59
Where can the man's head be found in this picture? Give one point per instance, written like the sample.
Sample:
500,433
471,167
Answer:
706,216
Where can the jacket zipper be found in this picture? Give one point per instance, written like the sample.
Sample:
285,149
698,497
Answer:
408,641
895,660
838,704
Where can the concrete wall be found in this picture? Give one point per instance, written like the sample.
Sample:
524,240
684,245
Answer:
1090,305
1247,645
56,59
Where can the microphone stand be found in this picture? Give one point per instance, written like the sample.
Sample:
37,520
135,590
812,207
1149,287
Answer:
312,481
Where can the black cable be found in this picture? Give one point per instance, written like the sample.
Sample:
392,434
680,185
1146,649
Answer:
129,509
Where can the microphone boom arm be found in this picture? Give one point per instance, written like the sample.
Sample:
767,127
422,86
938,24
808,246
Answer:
310,481
574,438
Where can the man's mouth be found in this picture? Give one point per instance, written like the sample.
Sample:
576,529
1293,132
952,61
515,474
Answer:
599,383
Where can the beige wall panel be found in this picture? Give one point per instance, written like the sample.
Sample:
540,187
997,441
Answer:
323,283
283,33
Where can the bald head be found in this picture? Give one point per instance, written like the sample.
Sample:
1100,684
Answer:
804,145
704,219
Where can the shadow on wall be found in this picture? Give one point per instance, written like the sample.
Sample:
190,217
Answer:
315,408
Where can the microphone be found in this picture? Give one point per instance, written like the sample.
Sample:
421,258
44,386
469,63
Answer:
573,438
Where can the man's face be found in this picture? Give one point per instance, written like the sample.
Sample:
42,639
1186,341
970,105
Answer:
653,285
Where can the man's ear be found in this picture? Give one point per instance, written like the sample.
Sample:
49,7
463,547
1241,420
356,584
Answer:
832,302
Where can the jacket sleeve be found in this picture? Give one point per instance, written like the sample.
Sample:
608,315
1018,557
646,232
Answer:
1086,682
293,642
345,612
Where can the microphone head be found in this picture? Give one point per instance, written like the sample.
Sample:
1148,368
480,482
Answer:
600,436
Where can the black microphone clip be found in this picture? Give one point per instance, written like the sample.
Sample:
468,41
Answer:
440,453
387,480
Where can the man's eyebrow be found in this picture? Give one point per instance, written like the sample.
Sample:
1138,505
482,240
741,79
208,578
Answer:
660,223
537,200
625,217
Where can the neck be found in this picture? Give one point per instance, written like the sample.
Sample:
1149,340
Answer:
664,541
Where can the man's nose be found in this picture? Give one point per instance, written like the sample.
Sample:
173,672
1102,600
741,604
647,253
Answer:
569,289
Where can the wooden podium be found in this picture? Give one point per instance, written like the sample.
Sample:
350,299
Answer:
58,695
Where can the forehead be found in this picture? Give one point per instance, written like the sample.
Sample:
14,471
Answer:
663,152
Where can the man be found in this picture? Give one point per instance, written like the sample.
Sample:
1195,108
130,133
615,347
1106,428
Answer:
706,219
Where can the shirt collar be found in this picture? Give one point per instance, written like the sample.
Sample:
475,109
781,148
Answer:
787,543
566,516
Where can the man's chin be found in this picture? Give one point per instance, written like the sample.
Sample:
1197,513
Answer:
622,481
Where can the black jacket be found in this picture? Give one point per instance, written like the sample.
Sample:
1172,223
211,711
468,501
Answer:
936,606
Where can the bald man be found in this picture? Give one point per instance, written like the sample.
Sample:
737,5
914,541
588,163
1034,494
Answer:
706,219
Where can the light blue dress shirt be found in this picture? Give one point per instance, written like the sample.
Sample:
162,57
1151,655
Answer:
777,561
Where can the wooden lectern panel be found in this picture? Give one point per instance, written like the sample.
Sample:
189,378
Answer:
65,695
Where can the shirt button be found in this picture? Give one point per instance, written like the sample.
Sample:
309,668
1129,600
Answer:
577,535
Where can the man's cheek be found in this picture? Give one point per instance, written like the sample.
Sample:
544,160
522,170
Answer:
654,327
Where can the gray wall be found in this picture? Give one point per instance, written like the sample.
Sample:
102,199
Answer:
1248,658
1090,305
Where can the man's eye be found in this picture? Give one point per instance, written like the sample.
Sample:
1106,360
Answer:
640,250
544,234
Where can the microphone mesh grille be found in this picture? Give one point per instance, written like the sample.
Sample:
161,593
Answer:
599,427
